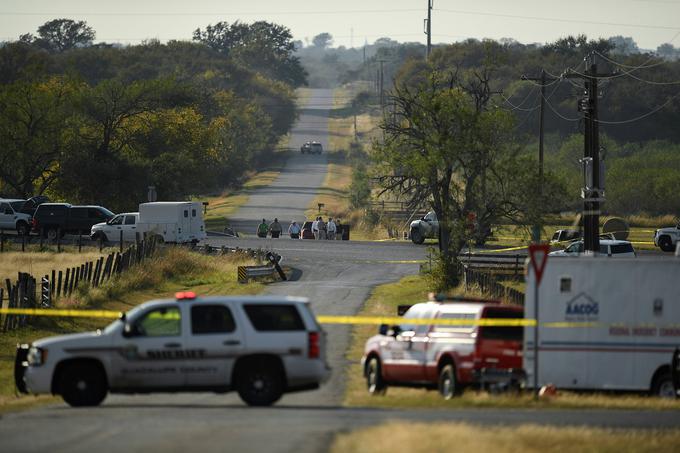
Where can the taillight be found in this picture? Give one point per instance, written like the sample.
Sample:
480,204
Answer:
314,351
34,224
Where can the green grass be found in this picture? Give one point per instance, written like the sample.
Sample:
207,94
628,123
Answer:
412,289
464,437
175,269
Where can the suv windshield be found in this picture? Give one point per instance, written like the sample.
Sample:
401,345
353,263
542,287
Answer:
622,248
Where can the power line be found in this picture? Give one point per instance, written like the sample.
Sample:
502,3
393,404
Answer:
555,19
650,113
212,14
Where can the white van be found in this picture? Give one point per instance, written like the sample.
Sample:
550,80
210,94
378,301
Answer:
634,309
171,221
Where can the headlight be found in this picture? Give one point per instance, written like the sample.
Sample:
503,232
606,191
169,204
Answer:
36,356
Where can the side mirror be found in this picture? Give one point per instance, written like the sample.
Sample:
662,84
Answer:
382,330
130,331
396,330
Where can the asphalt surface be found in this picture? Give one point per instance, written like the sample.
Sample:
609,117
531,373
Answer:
337,276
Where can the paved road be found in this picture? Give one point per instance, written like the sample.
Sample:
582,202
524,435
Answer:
337,276
291,193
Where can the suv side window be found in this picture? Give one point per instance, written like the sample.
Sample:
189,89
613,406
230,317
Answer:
159,322
274,317
6,209
79,213
207,319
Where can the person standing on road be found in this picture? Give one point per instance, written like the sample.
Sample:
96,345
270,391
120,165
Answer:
275,228
315,228
322,228
331,229
262,229
294,230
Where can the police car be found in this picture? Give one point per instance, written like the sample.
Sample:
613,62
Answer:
259,346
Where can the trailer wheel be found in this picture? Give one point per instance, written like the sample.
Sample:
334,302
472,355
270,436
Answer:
663,385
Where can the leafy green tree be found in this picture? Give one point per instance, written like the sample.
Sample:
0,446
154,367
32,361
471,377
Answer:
262,46
322,40
32,133
60,35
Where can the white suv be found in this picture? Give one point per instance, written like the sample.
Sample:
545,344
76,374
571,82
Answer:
11,217
262,347
608,247
667,238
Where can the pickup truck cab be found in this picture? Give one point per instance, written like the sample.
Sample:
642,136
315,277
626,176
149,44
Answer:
262,347
444,357
11,217
608,247
125,223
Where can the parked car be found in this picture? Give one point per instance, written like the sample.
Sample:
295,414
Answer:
52,219
306,148
259,346
610,247
667,238
565,236
425,227
316,148
11,217
447,358
169,221
307,230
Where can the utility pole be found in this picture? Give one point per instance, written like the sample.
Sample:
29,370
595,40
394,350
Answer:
428,27
382,86
593,171
542,80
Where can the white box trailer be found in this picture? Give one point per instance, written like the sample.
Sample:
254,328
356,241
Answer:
634,305
174,221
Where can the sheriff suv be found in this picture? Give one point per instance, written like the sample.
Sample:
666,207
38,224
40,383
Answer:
261,347
446,357
667,238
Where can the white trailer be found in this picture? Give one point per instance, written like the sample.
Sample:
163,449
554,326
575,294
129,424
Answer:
174,221
634,307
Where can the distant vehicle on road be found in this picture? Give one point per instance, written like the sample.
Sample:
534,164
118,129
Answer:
625,314
307,232
261,347
311,148
168,221
52,219
11,217
608,247
447,358
667,238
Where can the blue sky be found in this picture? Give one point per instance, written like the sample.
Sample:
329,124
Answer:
649,22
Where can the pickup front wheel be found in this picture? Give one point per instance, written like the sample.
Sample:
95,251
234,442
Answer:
417,237
448,387
82,384
666,244
374,380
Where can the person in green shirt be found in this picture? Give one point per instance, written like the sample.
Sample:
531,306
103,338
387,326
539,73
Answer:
262,229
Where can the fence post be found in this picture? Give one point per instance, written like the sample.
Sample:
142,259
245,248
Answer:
59,283
2,242
45,294
121,241
53,282
41,241
80,242
101,242
58,240
23,242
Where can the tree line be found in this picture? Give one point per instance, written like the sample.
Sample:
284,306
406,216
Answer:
99,123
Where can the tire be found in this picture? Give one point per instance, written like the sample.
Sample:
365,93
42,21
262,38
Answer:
447,385
666,244
51,234
260,384
374,380
23,229
101,236
83,385
417,237
663,386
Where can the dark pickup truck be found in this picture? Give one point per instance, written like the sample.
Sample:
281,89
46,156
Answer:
54,219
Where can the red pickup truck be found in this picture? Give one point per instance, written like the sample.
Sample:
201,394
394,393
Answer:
445,357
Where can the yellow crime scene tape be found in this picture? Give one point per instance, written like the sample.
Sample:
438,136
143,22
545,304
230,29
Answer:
324,319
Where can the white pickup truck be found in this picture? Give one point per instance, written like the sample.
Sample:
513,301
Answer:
667,238
260,346
169,221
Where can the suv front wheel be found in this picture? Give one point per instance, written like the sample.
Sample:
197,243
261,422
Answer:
447,385
259,384
666,244
416,236
83,384
374,380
